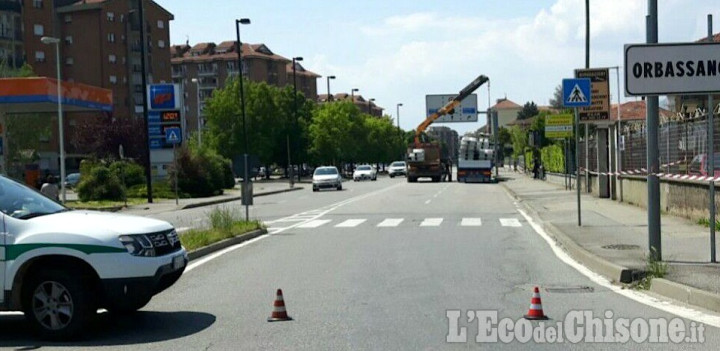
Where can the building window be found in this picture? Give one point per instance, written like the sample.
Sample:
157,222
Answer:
161,24
68,39
112,58
69,61
38,4
39,30
111,37
39,56
111,16
68,18
161,43
113,79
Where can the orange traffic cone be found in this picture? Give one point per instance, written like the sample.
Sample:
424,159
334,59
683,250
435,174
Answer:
536,311
279,313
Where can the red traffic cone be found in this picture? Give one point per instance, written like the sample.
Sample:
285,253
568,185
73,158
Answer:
279,313
536,311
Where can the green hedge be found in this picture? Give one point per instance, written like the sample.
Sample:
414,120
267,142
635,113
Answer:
99,183
202,173
553,159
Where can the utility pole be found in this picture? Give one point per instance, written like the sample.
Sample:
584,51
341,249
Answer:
143,64
653,160
711,157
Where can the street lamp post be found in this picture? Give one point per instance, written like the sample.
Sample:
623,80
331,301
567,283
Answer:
56,42
370,102
328,86
290,167
197,99
398,118
238,22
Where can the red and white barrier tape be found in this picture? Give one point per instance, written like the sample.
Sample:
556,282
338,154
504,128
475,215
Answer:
643,172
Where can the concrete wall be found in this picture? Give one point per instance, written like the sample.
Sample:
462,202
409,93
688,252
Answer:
686,198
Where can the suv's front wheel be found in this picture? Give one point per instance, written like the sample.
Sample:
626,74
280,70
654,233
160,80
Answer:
58,303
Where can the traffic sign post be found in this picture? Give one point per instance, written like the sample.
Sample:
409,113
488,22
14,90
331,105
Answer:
174,136
576,93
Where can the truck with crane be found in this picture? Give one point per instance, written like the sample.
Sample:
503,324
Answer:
424,157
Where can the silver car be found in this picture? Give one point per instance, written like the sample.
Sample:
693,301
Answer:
326,178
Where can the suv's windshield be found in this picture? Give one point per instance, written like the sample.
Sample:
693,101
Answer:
398,164
19,201
325,171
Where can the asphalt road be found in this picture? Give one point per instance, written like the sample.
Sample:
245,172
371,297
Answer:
374,267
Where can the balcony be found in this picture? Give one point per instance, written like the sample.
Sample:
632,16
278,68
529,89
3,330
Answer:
207,72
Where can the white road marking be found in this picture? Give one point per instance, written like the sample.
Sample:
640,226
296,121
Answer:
663,305
510,222
314,223
471,222
431,222
427,202
351,223
391,222
325,210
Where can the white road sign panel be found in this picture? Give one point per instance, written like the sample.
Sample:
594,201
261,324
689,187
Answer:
466,112
670,69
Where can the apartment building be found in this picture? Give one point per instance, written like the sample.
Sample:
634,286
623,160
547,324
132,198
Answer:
365,105
204,67
100,45
447,136
11,38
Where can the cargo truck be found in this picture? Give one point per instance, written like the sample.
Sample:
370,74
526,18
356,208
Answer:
423,157
475,160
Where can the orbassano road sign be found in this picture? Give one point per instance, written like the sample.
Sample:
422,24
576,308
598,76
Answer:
670,69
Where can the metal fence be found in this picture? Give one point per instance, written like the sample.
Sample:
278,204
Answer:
681,138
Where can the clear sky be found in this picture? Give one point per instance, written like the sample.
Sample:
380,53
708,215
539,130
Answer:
398,51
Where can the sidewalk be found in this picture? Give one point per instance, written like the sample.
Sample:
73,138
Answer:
613,239
260,188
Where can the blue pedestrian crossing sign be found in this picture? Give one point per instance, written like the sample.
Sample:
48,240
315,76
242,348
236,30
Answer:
576,92
173,135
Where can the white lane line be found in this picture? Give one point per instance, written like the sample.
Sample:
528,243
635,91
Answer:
431,222
314,223
427,202
510,222
471,222
351,223
391,222
663,305
325,209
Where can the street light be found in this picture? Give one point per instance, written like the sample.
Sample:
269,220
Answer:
56,42
370,102
398,118
328,84
290,167
197,99
352,94
238,22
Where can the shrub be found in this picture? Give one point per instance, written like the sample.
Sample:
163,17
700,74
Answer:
202,173
131,172
553,158
99,183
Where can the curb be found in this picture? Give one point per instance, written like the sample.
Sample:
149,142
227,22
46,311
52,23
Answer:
614,272
686,294
669,289
214,247
235,198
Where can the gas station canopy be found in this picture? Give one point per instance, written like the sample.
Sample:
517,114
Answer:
39,95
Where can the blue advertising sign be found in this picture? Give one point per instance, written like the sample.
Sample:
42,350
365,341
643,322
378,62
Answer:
155,129
156,143
154,116
576,92
162,97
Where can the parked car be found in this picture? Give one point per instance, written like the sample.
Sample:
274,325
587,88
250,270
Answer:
365,172
72,180
326,177
397,168
699,165
60,266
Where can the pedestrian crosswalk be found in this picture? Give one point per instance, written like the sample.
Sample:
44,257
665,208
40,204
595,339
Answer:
397,222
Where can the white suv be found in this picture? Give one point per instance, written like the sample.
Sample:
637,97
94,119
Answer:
59,266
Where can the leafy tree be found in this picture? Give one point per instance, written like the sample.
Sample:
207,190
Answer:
529,110
330,131
519,138
504,136
102,137
557,100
